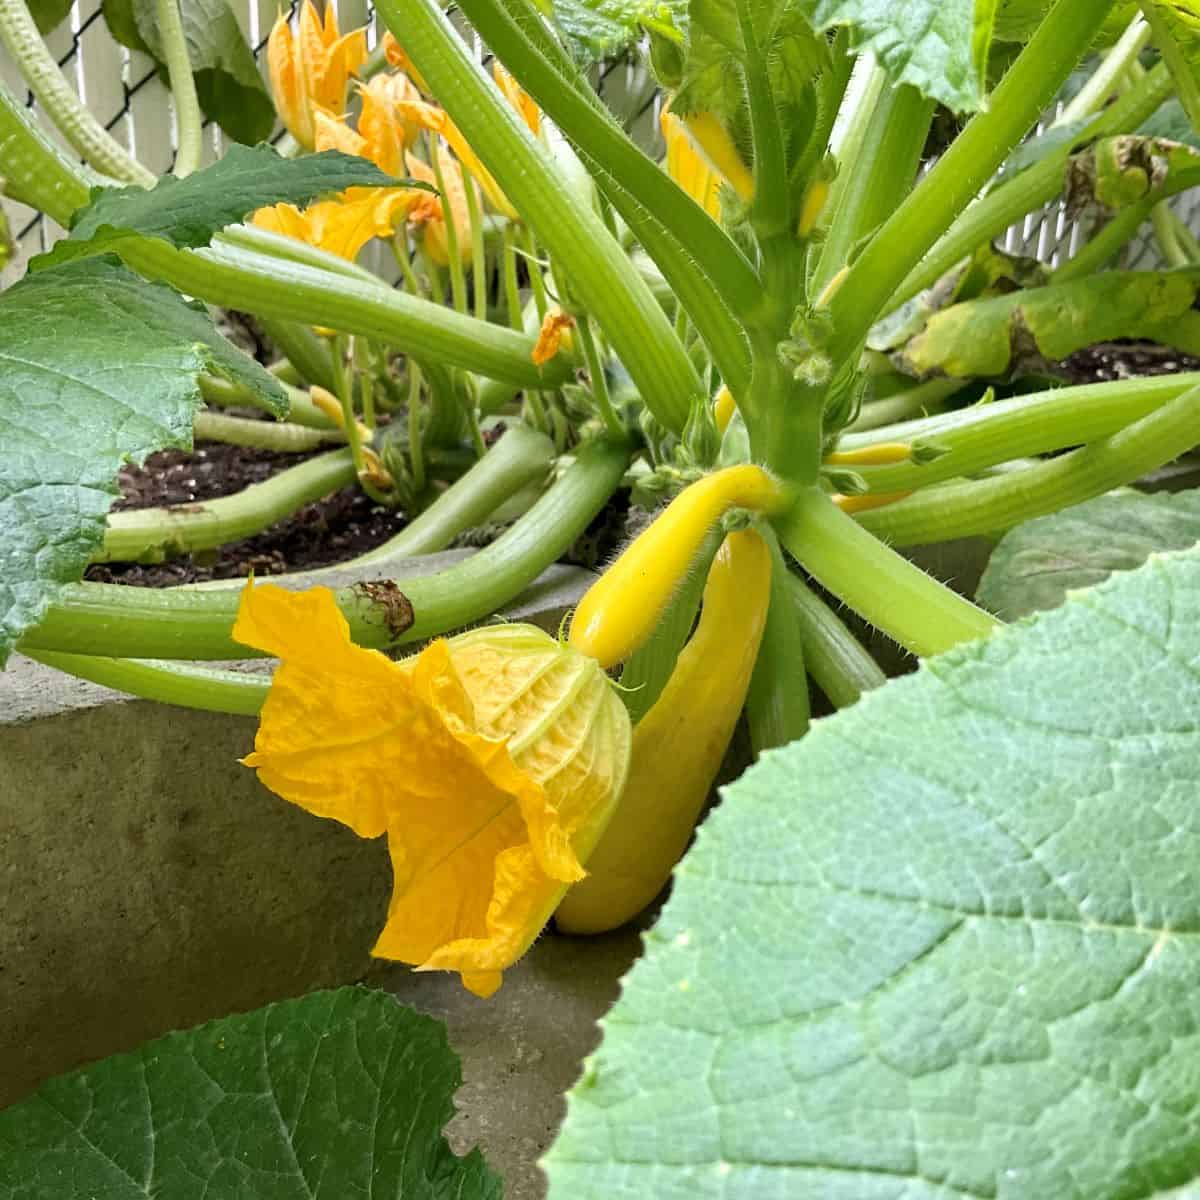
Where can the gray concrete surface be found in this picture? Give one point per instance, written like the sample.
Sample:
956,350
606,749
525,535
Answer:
148,882
524,1048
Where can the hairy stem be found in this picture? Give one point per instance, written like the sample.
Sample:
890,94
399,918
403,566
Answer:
183,86
911,607
151,534
106,619
998,503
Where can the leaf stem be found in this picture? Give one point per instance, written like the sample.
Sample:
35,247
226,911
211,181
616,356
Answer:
1187,85
183,86
998,503
895,596
1012,198
151,534
285,437
836,659
522,456
1028,86
984,435
603,279
82,131
777,704
107,619
204,688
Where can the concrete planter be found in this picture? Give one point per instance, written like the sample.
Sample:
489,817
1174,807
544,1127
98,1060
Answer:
148,881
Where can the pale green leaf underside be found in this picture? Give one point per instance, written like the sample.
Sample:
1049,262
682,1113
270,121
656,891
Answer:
945,947
97,368
331,1097
187,212
598,29
938,46
1038,563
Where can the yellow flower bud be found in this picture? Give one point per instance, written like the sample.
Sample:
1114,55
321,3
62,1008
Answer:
724,406
678,745
492,760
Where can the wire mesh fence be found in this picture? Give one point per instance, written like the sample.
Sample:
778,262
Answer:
123,88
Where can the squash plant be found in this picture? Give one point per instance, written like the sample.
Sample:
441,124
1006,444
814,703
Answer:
939,944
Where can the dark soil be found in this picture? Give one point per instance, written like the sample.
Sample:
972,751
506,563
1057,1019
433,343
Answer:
1124,360
348,523
321,534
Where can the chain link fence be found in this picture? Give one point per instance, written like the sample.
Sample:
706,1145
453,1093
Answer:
123,89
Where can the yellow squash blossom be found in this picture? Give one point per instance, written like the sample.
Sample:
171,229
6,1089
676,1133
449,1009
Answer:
382,136
342,226
429,116
396,57
310,70
428,212
552,336
688,169
492,761
522,103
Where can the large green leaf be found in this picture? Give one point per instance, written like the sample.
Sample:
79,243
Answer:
229,87
187,212
337,1095
97,368
1035,565
940,47
945,947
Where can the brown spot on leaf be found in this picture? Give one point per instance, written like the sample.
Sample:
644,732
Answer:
394,608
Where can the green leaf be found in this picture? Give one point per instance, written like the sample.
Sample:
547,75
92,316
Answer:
48,15
940,47
339,1094
97,368
229,87
1035,565
187,212
597,29
714,68
1176,28
1171,124
945,947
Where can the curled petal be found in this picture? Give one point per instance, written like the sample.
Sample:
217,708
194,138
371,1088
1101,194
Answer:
522,103
550,337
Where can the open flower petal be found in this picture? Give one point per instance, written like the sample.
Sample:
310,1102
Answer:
492,761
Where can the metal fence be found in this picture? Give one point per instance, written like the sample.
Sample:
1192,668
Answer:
123,89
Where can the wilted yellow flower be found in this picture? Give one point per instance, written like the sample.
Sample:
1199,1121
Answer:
524,105
688,169
429,116
551,336
428,213
345,224
309,71
492,761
